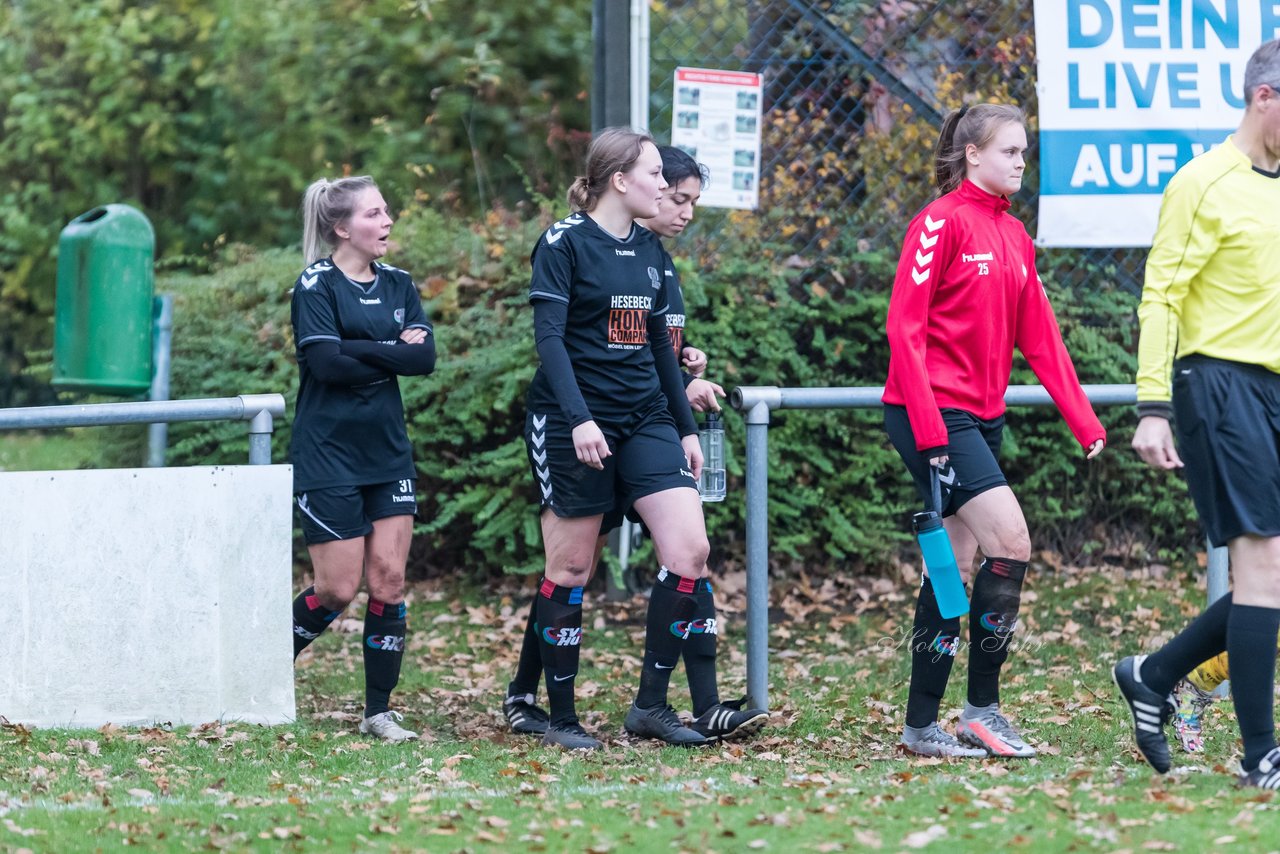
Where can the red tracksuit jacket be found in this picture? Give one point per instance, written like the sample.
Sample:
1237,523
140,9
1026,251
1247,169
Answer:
965,295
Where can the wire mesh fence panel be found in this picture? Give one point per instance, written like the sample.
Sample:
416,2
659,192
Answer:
854,94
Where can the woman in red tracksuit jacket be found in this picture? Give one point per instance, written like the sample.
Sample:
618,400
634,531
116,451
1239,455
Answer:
966,293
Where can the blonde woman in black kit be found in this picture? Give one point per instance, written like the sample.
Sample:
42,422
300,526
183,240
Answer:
358,324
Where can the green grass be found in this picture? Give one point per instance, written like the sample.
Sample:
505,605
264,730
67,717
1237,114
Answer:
826,775
55,450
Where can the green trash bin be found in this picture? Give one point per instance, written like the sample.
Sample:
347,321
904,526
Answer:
102,319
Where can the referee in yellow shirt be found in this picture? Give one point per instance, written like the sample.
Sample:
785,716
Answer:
1209,360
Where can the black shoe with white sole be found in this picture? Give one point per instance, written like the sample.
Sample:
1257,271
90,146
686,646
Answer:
571,736
729,721
1266,775
1150,711
524,716
662,723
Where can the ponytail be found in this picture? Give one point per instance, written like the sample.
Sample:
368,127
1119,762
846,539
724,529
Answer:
326,205
579,194
948,168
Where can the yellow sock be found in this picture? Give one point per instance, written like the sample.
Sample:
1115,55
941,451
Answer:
1209,675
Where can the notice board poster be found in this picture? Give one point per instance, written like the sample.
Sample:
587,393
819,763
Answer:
716,119
1129,92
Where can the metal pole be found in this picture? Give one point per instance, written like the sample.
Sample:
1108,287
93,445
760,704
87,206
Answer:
610,82
1218,582
758,555
158,432
640,65
1218,566
260,425
242,408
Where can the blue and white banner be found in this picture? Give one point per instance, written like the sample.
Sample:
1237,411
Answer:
1130,90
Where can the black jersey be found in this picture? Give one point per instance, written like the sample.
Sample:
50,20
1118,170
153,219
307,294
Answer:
613,287
675,307
350,435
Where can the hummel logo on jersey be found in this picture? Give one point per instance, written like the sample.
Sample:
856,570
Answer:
538,438
920,272
687,473
569,636
625,253
309,281
557,231
374,301
983,260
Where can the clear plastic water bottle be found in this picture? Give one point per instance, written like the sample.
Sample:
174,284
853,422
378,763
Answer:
711,485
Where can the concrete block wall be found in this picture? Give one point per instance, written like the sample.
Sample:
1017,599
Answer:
145,596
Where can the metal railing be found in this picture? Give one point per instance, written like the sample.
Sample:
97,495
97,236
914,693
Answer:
259,410
757,402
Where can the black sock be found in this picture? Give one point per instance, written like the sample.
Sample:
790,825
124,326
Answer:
993,617
560,628
1204,638
529,668
700,650
310,619
671,609
384,631
933,651
1251,661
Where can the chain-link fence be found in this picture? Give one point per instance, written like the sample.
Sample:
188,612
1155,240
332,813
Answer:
854,94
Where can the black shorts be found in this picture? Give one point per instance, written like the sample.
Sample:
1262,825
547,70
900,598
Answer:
1227,420
347,512
647,458
616,514
973,450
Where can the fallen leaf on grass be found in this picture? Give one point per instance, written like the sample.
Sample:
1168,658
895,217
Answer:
921,838
21,831
867,838
87,745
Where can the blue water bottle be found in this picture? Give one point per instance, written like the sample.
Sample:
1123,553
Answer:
939,558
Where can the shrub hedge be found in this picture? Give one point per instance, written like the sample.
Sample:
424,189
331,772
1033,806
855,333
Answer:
838,494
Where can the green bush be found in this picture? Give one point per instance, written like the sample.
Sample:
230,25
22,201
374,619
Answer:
839,495
212,115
